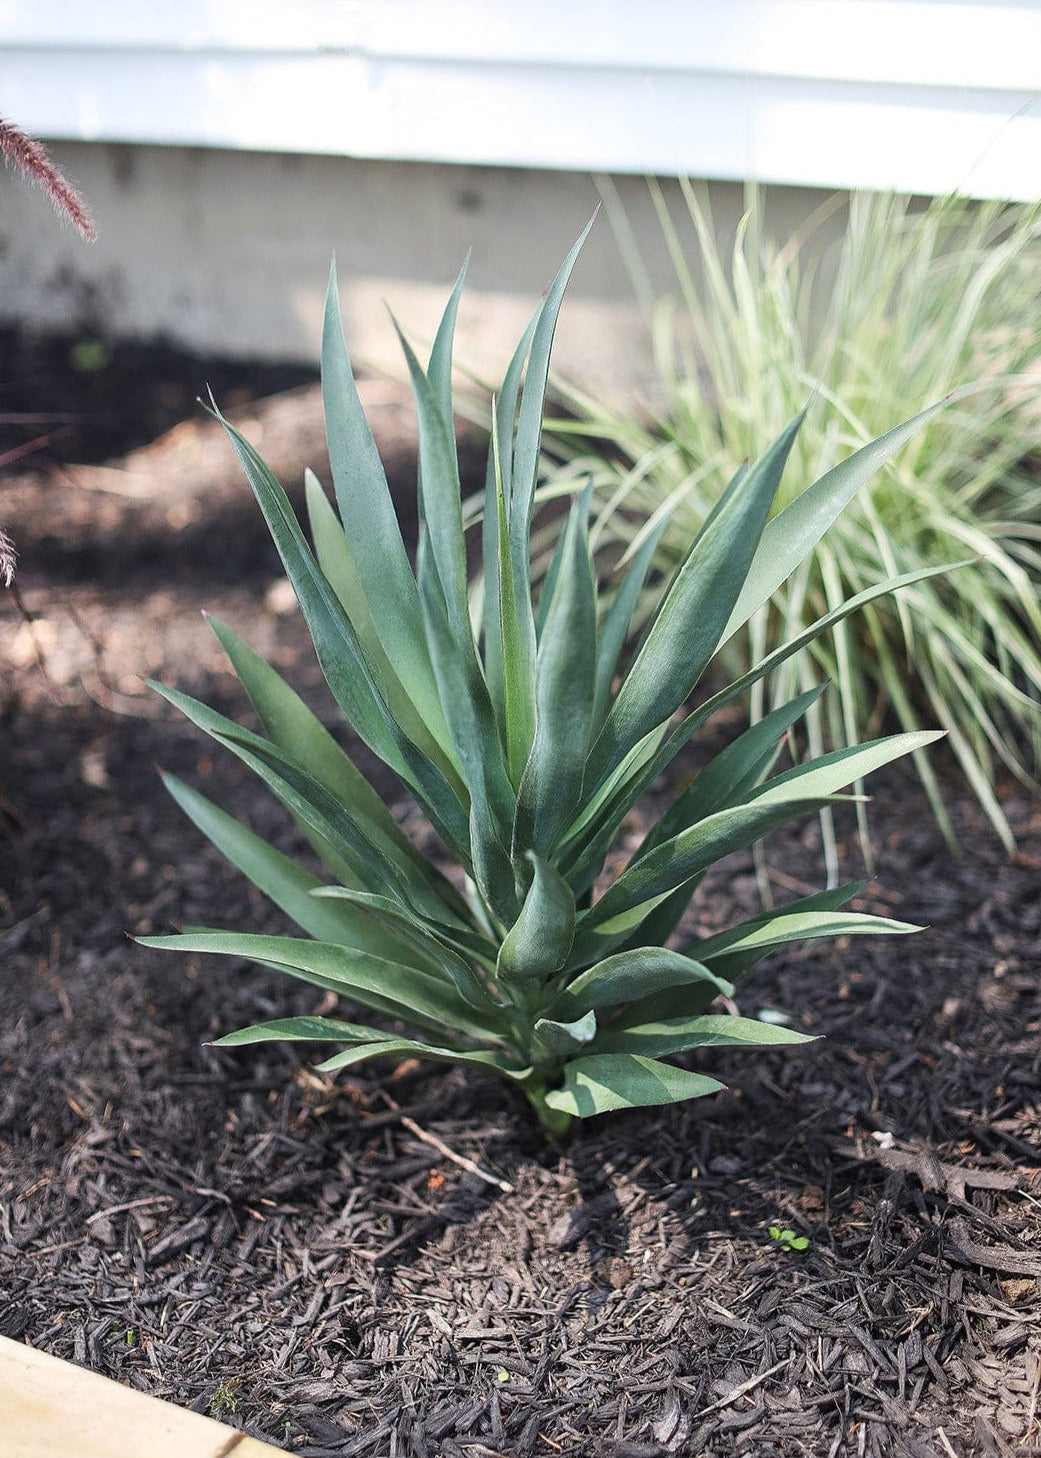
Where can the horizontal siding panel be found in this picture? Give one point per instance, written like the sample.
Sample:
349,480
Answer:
920,95
984,44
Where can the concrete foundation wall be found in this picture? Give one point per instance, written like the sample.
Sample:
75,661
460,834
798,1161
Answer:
228,252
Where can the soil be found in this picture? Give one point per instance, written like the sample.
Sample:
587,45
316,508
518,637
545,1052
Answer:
396,1262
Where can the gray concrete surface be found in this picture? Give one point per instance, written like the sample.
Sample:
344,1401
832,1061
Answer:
228,252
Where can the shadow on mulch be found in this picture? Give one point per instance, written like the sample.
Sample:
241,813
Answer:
396,1263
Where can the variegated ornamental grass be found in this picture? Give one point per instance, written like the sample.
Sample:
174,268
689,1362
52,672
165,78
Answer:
912,305
526,728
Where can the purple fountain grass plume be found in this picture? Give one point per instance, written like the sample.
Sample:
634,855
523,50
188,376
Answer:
7,560
33,162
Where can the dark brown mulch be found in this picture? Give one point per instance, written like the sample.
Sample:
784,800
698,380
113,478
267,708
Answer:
316,1261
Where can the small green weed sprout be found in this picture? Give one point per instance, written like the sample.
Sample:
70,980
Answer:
526,730
788,1240
225,1397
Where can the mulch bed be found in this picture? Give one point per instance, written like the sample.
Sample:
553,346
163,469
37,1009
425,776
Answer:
396,1263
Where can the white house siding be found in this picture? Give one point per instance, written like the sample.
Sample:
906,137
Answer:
923,95
182,122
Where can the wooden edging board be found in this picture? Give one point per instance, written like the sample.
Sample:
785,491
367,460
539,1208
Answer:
54,1409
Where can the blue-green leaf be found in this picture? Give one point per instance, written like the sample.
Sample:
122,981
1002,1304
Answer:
423,723
619,616
744,944
602,1082
298,1030
584,852
411,993
512,636
728,778
437,944
500,1063
538,943
829,772
686,630
339,652
301,735
627,976
565,689
372,858
369,515
288,885
439,369
442,497
553,1041
365,1043
529,425
789,538
646,882
679,1035
480,752
513,622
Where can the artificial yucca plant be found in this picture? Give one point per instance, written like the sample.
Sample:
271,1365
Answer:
526,732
